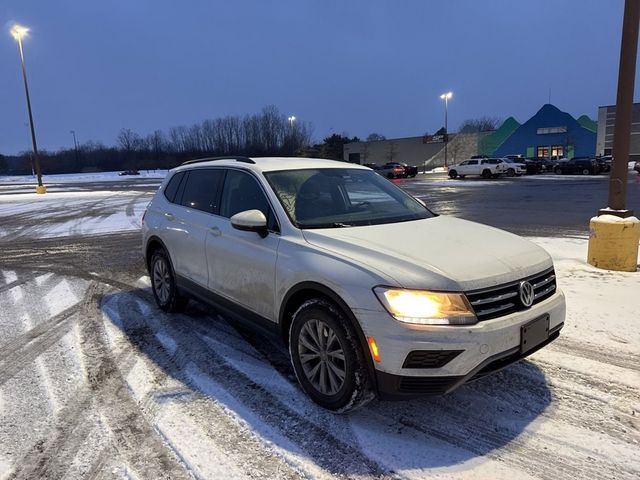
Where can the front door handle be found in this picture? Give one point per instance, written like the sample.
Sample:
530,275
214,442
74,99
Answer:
216,232
168,216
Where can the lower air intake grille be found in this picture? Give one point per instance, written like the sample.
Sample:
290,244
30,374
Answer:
430,358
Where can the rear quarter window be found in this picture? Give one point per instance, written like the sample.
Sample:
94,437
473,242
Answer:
172,187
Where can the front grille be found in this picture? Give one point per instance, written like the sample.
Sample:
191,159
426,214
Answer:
505,299
429,358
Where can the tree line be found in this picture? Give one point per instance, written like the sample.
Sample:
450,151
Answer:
267,133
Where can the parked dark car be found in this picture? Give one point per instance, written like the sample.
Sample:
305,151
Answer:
578,165
604,163
409,171
636,167
392,170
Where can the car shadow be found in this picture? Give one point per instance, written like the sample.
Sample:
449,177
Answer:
249,374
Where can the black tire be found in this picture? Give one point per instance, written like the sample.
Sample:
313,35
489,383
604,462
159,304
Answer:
453,174
486,173
586,171
163,283
340,395
511,172
558,171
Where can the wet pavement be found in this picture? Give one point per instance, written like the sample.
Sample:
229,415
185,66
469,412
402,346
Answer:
537,205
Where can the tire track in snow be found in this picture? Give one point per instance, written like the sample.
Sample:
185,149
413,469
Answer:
136,440
23,350
597,353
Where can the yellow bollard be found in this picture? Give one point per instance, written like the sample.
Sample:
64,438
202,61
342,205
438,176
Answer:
613,243
41,189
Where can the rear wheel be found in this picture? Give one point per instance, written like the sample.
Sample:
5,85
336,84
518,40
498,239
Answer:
453,174
163,283
327,358
486,173
558,171
586,171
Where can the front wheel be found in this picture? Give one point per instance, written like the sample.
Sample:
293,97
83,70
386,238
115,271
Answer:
586,171
486,173
511,172
558,171
327,358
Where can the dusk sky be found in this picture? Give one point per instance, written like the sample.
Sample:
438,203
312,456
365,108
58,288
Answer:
345,66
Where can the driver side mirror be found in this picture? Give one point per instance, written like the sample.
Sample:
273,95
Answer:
250,221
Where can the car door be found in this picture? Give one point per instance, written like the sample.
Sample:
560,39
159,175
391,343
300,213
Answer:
473,167
463,167
242,264
197,217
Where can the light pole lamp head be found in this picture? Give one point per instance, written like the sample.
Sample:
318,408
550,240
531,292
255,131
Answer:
446,96
292,118
19,32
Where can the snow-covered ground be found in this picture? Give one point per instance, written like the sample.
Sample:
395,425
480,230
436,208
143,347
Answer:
70,213
81,177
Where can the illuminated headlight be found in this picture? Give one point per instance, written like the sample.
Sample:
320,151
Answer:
426,308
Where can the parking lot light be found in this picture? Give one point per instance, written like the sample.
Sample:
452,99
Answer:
446,96
19,32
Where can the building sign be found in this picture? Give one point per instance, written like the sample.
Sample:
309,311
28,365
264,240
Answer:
433,139
544,131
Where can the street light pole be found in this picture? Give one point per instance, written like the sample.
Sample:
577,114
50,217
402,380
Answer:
446,97
18,32
75,143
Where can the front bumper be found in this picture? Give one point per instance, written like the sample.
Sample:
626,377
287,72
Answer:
479,349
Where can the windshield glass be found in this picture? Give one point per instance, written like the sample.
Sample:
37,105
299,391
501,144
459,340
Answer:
342,197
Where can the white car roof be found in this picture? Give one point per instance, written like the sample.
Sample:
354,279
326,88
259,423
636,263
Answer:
268,164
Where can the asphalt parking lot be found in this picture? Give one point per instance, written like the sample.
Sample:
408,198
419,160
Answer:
97,382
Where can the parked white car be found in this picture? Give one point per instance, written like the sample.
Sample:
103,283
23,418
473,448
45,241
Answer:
513,167
372,292
485,167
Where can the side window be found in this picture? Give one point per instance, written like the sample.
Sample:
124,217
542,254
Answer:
473,162
483,162
202,190
172,187
242,192
466,162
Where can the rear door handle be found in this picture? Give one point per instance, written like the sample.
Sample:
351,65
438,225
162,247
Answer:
168,216
216,232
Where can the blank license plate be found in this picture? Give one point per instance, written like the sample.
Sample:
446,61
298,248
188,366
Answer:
534,333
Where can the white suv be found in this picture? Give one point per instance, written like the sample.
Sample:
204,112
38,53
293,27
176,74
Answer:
485,167
371,291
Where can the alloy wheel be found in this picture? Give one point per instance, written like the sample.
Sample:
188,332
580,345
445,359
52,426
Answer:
162,280
322,357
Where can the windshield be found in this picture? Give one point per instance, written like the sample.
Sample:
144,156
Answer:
342,197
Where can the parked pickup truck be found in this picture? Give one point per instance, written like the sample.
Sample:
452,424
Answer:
485,167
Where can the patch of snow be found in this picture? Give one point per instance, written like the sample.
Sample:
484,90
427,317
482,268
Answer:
60,298
9,276
602,305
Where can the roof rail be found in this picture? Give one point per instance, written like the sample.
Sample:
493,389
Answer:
213,159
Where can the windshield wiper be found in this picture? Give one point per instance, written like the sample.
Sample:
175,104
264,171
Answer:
341,225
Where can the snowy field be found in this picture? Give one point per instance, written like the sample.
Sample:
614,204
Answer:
96,382
81,177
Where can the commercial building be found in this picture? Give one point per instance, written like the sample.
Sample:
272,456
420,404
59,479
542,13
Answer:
424,152
606,124
549,133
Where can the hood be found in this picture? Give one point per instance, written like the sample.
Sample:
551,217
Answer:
440,253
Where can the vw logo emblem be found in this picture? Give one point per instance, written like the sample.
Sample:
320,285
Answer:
526,293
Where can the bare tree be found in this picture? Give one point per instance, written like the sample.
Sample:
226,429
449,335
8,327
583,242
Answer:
482,124
375,137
